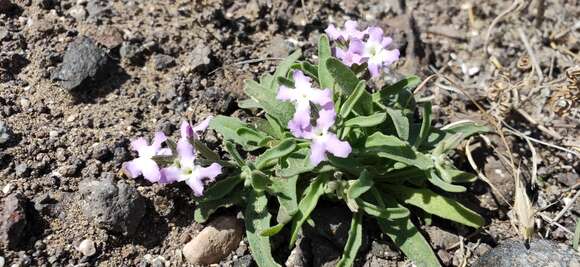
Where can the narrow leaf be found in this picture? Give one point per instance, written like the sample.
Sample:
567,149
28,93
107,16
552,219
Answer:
366,121
324,78
257,218
307,205
438,205
284,148
352,99
400,121
425,125
221,188
391,147
354,241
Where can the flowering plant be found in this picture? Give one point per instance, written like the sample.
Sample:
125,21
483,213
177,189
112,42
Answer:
324,133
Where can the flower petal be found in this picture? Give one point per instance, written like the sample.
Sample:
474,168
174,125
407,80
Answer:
300,123
326,117
149,169
169,175
202,126
186,152
321,97
158,140
186,130
301,81
210,172
332,32
285,93
139,145
375,34
317,153
132,168
196,185
338,148
374,69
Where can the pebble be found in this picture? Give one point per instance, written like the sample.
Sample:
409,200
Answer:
22,170
214,242
83,62
161,62
118,207
199,57
13,220
5,134
87,247
78,12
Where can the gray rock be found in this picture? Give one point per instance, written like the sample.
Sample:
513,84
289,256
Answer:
5,133
98,9
199,57
87,247
83,62
116,207
542,253
78,12
13,221
22,170
161,62
214,242
244,261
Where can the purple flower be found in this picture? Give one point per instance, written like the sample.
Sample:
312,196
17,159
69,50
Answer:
185,168
322,139
375,52
350,32
302,95
353,55
144,164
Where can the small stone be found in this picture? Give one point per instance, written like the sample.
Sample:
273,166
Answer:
199,57
83,62
13,221
161,62
109,37
78,12
540,253
87,247
2,261
244,261
5,133
116,207
214,242
22,170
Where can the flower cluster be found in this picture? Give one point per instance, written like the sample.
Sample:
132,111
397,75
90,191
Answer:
303,95
359,47
183,167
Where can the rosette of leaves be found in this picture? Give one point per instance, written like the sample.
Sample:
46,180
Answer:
396,171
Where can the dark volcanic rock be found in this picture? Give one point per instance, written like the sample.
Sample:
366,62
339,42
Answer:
5,6
541,253
13,221
116,207
83,61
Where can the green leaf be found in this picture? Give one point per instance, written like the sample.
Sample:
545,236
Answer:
407,83
406,236
266,98
296,163
307,205
221,188
285,190
307,68
400,121
257,218
360,186
231,149
435,180
353,243
324,78
390,213
457,176
438,205
228,127
248,104
259,180
205,151
345,79
366,121
277,128
466,127
206,209
425,125
283,68
391,147
352,99
163,160
284,148
251,136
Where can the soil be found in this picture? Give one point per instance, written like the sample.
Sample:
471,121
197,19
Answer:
170,60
